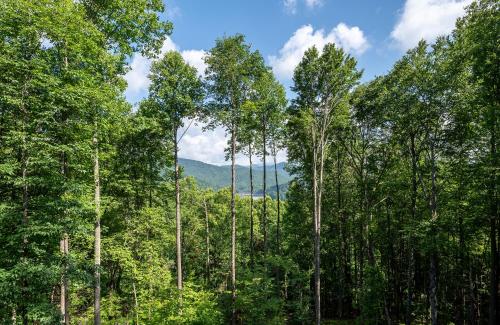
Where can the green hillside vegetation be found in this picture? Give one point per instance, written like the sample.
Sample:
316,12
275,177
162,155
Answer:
392,215
217,177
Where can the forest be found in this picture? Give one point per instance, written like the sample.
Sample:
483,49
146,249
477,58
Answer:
391,216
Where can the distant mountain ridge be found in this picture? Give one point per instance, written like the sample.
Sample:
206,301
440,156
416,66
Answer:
217,177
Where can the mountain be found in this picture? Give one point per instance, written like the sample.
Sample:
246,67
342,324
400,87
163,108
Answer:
216,177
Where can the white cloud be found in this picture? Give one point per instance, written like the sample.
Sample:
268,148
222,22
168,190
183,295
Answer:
168,45
352,39
291,5
314,3
137,77
208,146
426,19
195,59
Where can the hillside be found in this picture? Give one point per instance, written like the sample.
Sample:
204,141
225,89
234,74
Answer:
216,177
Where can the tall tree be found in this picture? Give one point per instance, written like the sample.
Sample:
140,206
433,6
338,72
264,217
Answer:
270,102
175,93
323,83
231,69
246,145
477,45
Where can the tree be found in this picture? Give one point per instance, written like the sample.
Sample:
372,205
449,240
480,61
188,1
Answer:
268,96
477,45
231,68
247,143
175,93
323,83
269,99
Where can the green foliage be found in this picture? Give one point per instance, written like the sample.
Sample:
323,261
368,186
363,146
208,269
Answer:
372,295
408,165
258,299
198,308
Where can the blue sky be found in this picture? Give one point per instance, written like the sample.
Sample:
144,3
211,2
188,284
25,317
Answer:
376,32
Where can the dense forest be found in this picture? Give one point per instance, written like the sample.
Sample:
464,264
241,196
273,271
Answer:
392,214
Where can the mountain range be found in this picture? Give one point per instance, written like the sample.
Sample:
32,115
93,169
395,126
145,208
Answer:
217,177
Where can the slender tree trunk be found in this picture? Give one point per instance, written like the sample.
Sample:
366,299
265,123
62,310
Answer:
411,258
317,284
472,296
461,256
433,258
278,245
251,207
345,303
207,241
136,304
494,220
264,207
233,223
64,247
24,311
65,240
97,234
178,225
25,195
433,288
318,231
460,301
493,273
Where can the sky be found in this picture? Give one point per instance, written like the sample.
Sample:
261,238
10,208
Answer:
376,32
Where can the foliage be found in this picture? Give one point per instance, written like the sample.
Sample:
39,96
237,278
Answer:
402,172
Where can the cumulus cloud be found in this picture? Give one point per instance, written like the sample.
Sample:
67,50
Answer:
137,77
195,59
208,146
352,39
426,19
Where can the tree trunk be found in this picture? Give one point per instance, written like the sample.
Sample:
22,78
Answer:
233,223
178,224
433,288
24,311
433,258
136,304
411,271
264,210
318,231
207,241
64,247
493,198
25,195
65,241
278,248
97,235
251,207
317,284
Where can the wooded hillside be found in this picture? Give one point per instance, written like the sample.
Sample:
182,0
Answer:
392,214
